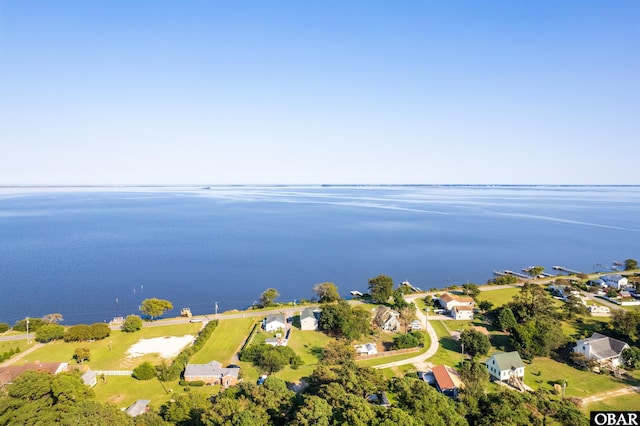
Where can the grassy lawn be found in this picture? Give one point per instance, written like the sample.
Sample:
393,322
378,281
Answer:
124,391
110,353
449,350
12,344
498,297
580,383
228,336
308,344
628,402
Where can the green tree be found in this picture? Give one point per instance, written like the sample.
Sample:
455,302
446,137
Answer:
327,292
145,371
155,307
630,358
485,305
338,353
535,271
407,340
314,411
574,306
132,323
506,319
426,405
381,288
4,327
49,332
82,354
53,318
532,302
78,333
268,297
626,323
504,280
475,376
630,264
475,343
34,324
99,331
398,299
407,315
471,290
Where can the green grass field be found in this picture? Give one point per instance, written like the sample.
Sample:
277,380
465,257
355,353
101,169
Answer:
628,402
498,297
226,339
110,353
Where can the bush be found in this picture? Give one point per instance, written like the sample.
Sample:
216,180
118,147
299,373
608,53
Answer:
196,383
183,383
34,324
407,340
82,332
270,358
49,332
4,327
144,371
132,323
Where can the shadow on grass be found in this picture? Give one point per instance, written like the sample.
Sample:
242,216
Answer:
450,344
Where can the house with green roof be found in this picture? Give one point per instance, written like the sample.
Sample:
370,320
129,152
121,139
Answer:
506,366
309,319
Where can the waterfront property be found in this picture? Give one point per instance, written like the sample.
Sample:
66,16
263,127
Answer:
459,307
275,322
212,374
613,281
603,349
506,367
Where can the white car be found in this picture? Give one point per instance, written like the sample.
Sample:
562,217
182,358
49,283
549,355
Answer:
195,320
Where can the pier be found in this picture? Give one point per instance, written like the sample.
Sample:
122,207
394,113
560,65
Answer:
515,274
562,268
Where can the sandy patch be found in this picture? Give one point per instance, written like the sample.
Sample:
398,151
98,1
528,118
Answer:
167,347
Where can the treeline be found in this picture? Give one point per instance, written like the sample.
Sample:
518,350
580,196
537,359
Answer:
76,333
172,372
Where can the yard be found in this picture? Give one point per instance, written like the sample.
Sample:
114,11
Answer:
110,353
225,341
498,297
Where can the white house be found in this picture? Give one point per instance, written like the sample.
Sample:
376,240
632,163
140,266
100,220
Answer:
599,310
506,366
601,348
616,281
462,312
309,319
89,378
275,322
141,406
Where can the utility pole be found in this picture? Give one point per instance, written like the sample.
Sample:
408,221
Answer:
28,339
462,352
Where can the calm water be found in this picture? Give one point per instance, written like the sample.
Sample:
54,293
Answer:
95,254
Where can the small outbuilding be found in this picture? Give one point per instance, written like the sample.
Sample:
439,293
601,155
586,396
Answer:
141,406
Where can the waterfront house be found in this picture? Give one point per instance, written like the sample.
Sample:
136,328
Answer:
506,366
212,374
616,281
603,349
447,380
309,319
450,301
275,322
141,406
462,312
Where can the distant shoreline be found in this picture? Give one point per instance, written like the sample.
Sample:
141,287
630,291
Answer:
323,185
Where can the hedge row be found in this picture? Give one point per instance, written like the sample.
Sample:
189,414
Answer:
173,372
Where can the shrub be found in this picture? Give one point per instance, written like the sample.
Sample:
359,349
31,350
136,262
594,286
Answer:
132,323
183,383
270,358
196,383
144,371
49,332
34,324
407,340
4,327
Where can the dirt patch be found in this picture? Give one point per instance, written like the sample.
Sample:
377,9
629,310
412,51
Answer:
166,347
116,398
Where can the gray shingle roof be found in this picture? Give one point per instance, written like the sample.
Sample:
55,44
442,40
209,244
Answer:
277,317
602,346
214,368
137,407
307,313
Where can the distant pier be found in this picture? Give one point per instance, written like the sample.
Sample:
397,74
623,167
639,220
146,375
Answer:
562,268
515,274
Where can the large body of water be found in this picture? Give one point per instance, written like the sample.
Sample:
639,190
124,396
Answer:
92,254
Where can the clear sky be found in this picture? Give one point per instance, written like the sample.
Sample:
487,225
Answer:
218,92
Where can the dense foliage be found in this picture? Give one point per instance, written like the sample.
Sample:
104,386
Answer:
37,398
270,358
4,327
326,292
503,280
380,288
145,371
49,332
411,339
341,319
34,324
475,343
155,307
83,332
630,264
268,297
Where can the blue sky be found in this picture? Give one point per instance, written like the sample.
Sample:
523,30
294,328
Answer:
218,92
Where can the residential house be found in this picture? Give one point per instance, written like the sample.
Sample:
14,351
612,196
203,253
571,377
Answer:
462,312
387,318
212,374
89,378
275,322
309,319
599,310
8,374
447,380
506,366
616,281
601,348
416,325
367,349
141,406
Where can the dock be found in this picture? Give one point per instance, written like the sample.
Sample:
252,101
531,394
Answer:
515,274
562,268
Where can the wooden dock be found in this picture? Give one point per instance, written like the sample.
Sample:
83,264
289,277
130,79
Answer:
562,268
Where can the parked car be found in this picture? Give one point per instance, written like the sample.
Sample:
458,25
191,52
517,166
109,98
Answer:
196,320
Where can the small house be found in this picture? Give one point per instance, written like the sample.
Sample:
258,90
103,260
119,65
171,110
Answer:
89,378
141,406
601,348
309,319
447,380
616,281
275,322
367,349
212,374
462,312
8,374
506,366
459,307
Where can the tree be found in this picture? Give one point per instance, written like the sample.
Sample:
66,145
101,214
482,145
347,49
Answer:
574,306
338,353
53,318
380,288
4,327
626,323
475,343
534,271
532,302
398,299
132,323
630,358
82,354
506,319
485,305
268,297
474,375
155,307
504,280
630,264
341,319
34,324
145,371
407,340
49,332
407,314
471,290
327,292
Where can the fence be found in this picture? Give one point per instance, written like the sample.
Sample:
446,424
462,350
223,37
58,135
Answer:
389,353
115,372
